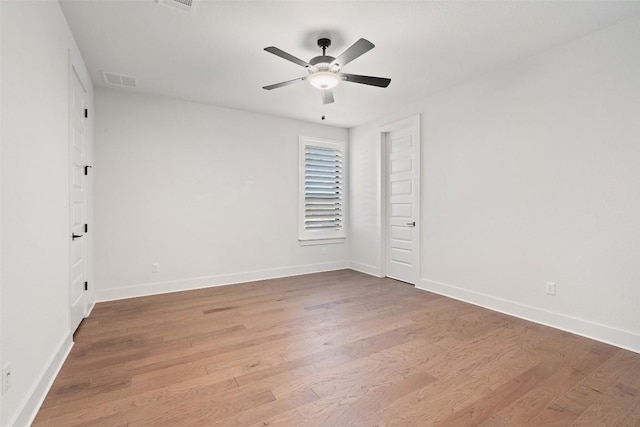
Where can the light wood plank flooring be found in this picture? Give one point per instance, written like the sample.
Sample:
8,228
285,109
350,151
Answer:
333,349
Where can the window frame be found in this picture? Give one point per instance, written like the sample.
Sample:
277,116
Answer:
311,237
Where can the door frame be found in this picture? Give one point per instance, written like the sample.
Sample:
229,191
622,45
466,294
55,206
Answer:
407,122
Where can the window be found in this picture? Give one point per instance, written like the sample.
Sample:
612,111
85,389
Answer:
321,190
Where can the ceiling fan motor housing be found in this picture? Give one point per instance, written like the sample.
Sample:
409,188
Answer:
322,59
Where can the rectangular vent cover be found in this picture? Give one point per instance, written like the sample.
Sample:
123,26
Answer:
116,79
181,5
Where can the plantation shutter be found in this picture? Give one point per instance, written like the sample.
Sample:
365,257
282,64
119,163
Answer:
322,188
322,210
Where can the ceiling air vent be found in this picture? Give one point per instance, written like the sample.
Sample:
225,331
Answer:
188,6
115,79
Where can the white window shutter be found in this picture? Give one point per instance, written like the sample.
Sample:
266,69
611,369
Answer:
322,189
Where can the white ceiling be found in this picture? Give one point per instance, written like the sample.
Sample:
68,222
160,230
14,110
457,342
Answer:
216,56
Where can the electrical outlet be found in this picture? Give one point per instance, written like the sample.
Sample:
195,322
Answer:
551,288
6,378
155,267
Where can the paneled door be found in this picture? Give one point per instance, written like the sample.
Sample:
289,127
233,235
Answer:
403,201
77,201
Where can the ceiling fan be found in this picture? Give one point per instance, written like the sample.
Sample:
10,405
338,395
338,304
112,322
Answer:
324,70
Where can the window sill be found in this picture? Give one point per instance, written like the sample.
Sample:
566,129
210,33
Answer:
321,241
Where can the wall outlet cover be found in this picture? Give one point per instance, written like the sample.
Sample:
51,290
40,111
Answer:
551,288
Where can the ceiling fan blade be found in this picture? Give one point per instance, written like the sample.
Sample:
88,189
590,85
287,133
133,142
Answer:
327,96
282,54
357,49
366,80
287,83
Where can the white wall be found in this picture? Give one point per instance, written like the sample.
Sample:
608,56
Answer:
209,193
530,174
365,199
34,218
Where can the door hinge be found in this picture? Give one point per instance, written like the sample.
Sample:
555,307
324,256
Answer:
86,228
86,286
86,169
86,113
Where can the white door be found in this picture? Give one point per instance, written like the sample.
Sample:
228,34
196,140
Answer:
77,202
403,201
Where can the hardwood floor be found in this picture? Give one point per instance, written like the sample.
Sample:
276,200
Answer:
333,349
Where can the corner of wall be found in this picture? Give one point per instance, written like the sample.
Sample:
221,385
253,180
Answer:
366,268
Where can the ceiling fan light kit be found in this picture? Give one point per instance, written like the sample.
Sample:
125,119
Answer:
324,70
323,79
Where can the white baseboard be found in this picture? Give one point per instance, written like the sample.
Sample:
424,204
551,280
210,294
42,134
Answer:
93,304
156,288
607,334
31,404
366,268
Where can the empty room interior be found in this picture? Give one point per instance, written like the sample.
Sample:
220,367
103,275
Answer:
319,213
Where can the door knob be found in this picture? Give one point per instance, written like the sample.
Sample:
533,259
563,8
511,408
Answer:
411,224
75,236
